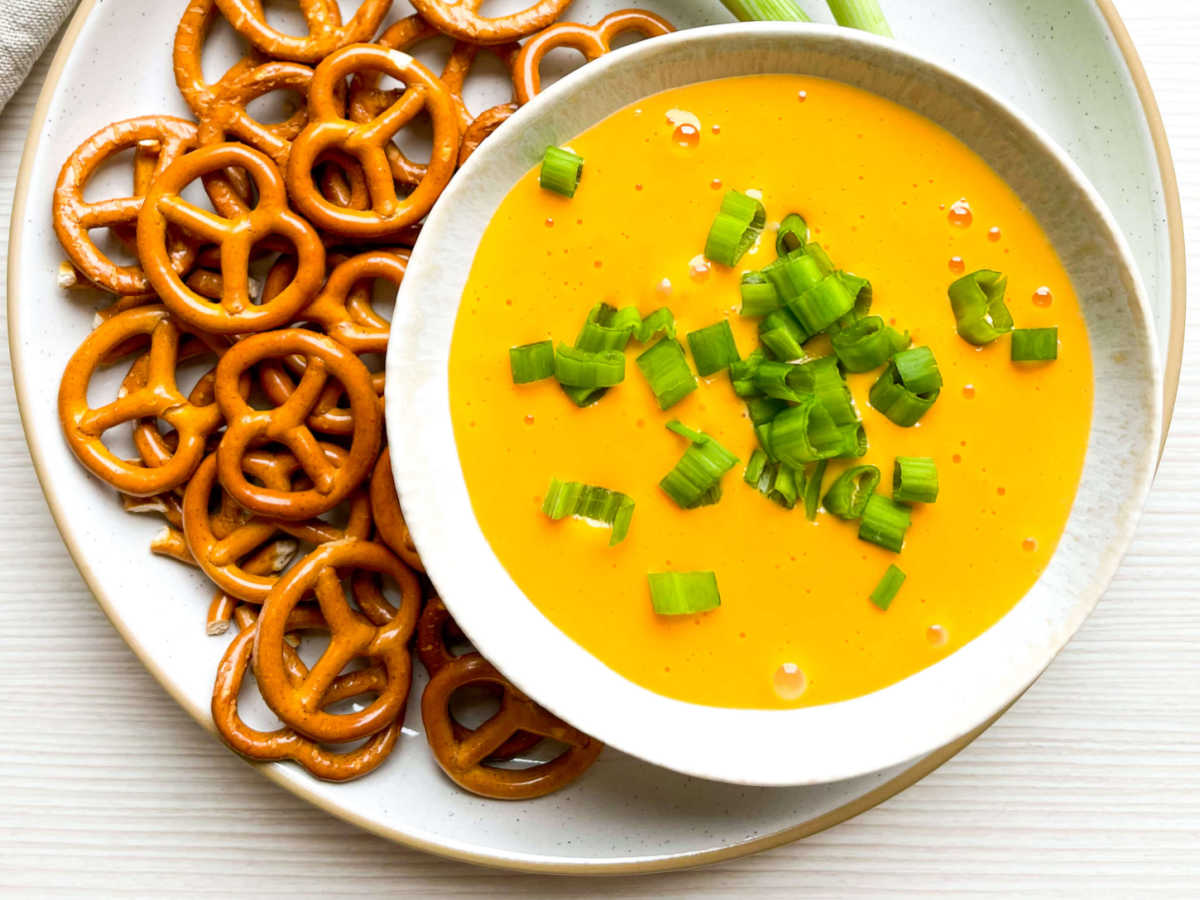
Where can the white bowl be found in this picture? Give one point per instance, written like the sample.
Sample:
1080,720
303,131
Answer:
840,740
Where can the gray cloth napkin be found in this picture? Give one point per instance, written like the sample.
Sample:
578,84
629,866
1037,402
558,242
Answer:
26,27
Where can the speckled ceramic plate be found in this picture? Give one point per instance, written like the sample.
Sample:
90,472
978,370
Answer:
1068,64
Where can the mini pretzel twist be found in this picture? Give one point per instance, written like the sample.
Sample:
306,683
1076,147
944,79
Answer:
343,308
326,33
235,313
388,516
218,542
463,759
286,743
74,217
187,56
367,142
482,128
158,397
461,19
352,634
593,41
227,115
248,427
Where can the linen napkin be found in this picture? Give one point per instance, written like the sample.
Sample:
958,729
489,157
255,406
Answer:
26,27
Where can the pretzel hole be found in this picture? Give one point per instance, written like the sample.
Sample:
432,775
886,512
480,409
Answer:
113,177
415,140
488,84
276,107
559,63
222,49
286,17
433,53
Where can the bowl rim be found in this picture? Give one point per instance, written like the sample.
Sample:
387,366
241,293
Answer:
723,758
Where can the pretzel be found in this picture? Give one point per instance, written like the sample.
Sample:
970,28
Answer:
286,424
285,743
343,308
217,542
366,141
220,614
227,114
74,217
368,100
379,632
593,41
187,54
158,397
325,30
389,517
461,19
463,760
436,631
483,127
236,236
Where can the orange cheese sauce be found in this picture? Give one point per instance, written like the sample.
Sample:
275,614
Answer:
890,196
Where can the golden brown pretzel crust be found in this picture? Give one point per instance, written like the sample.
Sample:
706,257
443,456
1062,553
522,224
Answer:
461,19
463,760
326,33
593,41
74,217
389,517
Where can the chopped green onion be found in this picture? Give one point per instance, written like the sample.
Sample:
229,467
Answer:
713,348
823,304
822,378
741,374
759,296
915,479
862,292
864,15
812,490
887,589
683,593
854,440
908,387
755,468
561,171
607,328
766,10
884,522
764,409
794,275
848,495
805,433
661,321
867,344
1035,345
666,370
696,479
584,369
596,504
763,433
735,229
978,304
793,234
782,335
784,485
531,362
773,379
582,396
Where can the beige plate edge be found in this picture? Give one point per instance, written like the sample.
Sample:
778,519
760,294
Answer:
868,800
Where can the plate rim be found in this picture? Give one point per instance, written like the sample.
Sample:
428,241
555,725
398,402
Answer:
530,863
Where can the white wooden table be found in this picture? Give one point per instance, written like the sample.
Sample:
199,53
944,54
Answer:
1090,785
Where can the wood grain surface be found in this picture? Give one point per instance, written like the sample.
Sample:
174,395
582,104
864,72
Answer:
1089,786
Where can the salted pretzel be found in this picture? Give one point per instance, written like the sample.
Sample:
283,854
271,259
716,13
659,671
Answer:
158,397
482,128
220,541
463,759
593,41
235,313
248,427
326,33
227,117
286,743
270,559
376,631
436,633
169,138
368,100
366,141
461,19
388,516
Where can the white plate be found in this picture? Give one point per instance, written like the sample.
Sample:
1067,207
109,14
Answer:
1055,61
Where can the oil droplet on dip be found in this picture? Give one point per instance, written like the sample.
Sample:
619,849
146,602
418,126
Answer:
994,234
937,635
664,287
969,391
957,265
1042,297
790,683
1029,544
699,267
960,214
802,96
687,135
